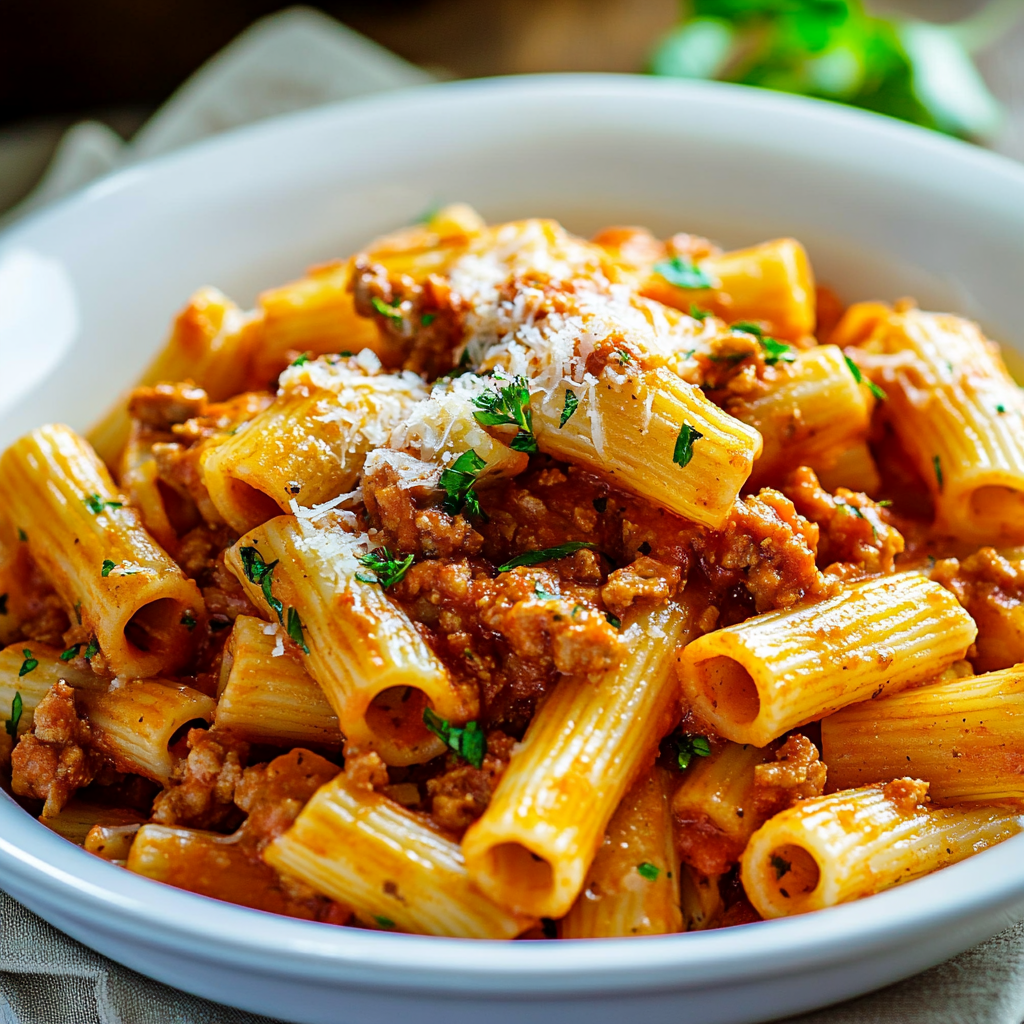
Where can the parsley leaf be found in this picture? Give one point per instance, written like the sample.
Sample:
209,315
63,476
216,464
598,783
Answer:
391,312
467,741
684,445
683,273
384,922
545,554
262,574
22,535
648,870
12,722
302,360
93,649
613,620
387,568
937,463
188,620
509,406
859,377
624,356
28,664
699,314
106,567
294,628
457,483
540,592
96,504
71,652
427,319
571,405
3,604
687,746
775,351
1000,408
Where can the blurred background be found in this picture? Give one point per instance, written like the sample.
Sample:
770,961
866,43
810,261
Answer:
953,65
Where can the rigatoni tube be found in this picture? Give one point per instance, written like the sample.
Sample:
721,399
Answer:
267,696
965,738
838,848
376,670
531,849
97,555
309,445
762,677
632,887
365,851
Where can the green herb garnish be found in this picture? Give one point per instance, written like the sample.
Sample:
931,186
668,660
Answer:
613,620
71,652
93,649
937,463
859,377
509,406
467,740
384,922
17,706
391,312
571,405
262,574
302,360
1000,408
683,452
545,554
542,594
106,567
387,568
648,870
457,483
683,273
28,664
624,356
294,628
96,504
688,746
22,535
188,620
775,351
427,319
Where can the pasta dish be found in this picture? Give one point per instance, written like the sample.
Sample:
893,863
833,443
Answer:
496,583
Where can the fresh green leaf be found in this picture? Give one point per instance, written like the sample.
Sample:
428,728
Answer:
17,706
295,631
188,620
28,664
384,922
698,314
542,594
613,620
697,49
571,405
859,377
71,652
776,351
262,575
509,405
92,650
545,554
648,870
427,319
302,360
387,568
457,483
683,452
22,535
96,504
391,312
682,273
106,567
468,741
688,746
623,356
1000,408
937,463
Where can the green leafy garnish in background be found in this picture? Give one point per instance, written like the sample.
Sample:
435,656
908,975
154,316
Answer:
833,49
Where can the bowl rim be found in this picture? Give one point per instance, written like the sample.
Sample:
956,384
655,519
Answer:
54,876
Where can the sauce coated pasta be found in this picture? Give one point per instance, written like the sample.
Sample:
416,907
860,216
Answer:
496,583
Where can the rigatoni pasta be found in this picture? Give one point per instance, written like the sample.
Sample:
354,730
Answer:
481,583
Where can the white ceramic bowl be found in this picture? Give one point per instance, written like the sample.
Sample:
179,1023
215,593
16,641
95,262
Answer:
88,287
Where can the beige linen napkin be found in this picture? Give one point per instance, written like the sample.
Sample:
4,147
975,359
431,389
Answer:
286,62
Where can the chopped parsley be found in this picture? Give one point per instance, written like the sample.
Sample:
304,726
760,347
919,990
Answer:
937,463
427,319
699,314
775,351
302,360
391,312
572,403
623,355
78,611
22,535
106,567
466,740
542,594
387,568
12,722
682,272
781,865
859,377
884,503
684,445
3,604
384,922
188,620
96,504
509,406
648,870
71,652
294,628
262,574
545,554
93,649
613,620
457,483
28,664
1000,408
687,746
